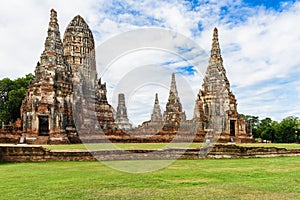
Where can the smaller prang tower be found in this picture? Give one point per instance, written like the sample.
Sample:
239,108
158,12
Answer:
156,116
173,114
122,120
155,124
216,106
47,108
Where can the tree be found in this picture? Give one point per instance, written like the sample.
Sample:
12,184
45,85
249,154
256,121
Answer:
287,130
297,131
267,129
6,85
12,92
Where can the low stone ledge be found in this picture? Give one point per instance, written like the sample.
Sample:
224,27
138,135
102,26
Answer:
31,153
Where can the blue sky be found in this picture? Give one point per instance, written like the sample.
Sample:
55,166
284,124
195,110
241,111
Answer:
274,4
260,42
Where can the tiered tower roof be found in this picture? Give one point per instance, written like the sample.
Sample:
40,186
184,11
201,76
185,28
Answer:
215,73
52,57
174,108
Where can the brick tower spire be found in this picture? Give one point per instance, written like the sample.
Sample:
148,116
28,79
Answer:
215,85
216,105
156,113
173,114
47,108
173,87
215,70
52,56
173,104
215,53
53,45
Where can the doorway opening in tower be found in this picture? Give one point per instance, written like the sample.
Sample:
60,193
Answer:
43,125
232,127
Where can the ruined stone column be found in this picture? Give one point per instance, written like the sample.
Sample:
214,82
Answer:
122,120
156,115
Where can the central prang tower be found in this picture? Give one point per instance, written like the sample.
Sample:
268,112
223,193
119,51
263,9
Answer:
89,93
79,50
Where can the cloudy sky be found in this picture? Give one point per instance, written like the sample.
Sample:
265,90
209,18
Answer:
260,43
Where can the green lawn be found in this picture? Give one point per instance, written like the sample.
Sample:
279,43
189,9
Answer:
259,178
154,146
279,145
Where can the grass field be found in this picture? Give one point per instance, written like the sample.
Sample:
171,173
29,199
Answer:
155,146
259,178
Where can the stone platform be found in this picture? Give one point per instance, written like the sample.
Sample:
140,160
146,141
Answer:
34,153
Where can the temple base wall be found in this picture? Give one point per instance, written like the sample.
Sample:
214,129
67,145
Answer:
31,153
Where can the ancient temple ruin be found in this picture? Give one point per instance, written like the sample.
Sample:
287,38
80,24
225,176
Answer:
66,98
46,109
215,113
216,107
65,86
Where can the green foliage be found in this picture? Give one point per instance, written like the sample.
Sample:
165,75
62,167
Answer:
286,131
257,178
12,92
6,85
267,129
